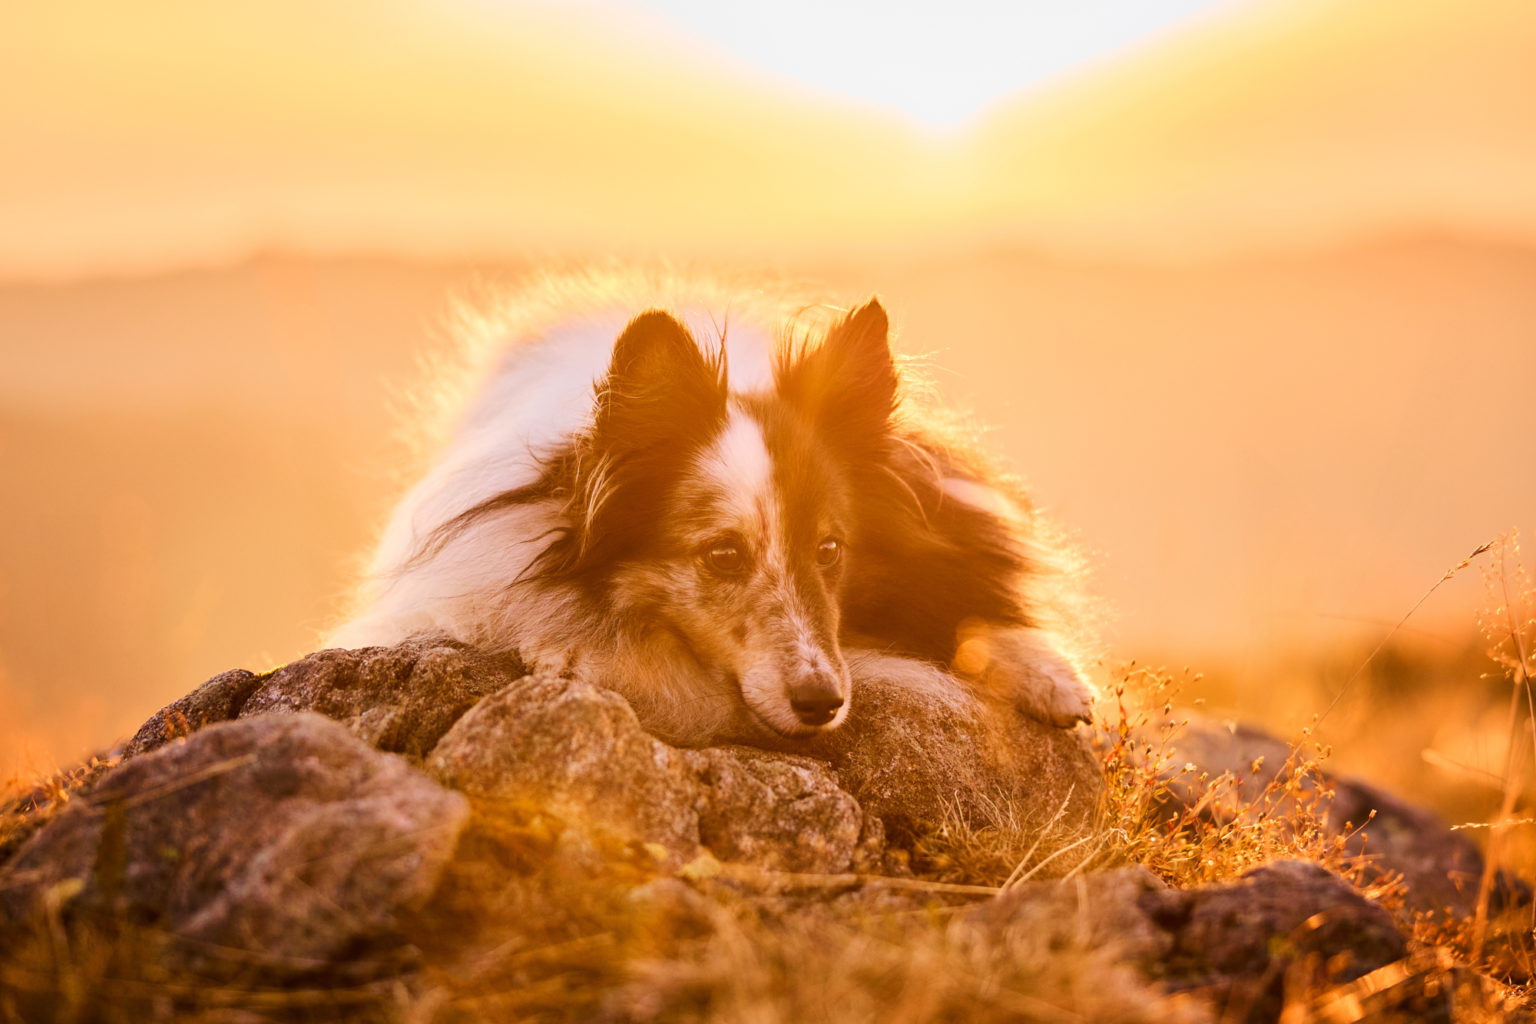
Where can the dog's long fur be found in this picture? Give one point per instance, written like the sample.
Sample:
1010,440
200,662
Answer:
712,514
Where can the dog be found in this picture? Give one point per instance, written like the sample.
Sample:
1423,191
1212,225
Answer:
717,518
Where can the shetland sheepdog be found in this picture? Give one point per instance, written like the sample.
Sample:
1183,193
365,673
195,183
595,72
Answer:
716,518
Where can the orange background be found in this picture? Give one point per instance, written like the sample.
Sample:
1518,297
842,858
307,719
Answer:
1253,308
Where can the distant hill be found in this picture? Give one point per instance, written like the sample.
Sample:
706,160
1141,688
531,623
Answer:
1281,124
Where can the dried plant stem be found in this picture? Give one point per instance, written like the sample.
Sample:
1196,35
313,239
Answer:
1495,837
1014,878
807,880
1520,684
1444,577
1035,870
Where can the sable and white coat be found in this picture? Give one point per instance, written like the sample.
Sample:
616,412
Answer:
718,524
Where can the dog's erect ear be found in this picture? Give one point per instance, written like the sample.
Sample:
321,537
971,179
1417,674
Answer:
847,387
659,387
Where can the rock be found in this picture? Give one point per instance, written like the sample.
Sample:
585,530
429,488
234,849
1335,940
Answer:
1095,910
1233,942
218,700
279,852
579,750
279,845
917,746
779,811
1440,868
400,699
1248,930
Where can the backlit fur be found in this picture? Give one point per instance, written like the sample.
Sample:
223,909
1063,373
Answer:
715,511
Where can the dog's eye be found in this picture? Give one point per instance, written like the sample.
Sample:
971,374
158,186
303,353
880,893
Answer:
828,552
726,558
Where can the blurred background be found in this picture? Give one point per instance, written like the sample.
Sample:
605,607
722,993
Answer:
1247,290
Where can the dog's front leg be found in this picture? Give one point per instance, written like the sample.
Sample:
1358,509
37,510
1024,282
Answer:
1023,666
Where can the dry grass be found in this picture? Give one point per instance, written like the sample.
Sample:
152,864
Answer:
1191,828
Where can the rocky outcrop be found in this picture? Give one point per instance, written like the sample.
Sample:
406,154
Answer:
361,822
281,845
908,756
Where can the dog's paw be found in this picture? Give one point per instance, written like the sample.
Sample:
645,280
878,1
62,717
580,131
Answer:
1023,667
1055,692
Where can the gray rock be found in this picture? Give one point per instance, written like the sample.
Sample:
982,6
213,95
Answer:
778,811
1236,942
218,700
275,845
1440,868
918,747
1233,942
400,699
579,750
1248,929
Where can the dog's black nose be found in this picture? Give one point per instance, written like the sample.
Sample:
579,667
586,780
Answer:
815,702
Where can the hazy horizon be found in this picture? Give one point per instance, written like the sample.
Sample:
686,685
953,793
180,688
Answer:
1261,458
529,131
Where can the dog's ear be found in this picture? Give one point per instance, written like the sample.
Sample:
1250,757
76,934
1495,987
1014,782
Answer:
848,386
659,388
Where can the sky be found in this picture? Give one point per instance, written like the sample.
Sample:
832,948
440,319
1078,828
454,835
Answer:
183,133
939,63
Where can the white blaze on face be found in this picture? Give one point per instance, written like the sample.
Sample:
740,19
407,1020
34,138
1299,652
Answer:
739,466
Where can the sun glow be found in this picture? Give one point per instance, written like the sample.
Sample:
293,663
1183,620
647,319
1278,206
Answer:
939,63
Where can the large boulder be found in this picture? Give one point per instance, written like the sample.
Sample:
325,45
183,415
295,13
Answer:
277,845
919,747
579,750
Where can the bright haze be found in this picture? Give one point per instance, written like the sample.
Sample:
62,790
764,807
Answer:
941,64
1247,292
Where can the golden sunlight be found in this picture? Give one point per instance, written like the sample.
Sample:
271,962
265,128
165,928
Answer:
573,510
499,130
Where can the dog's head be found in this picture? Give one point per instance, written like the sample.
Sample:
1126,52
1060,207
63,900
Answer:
722,521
